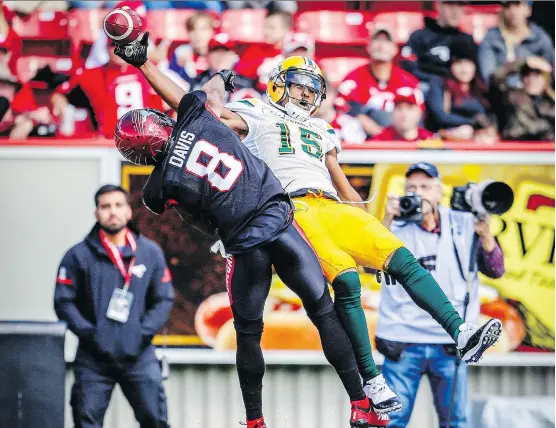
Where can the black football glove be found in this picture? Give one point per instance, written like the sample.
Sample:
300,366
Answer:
228,76
134,53
388,279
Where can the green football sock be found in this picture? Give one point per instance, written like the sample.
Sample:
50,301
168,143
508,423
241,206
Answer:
347,302
424,290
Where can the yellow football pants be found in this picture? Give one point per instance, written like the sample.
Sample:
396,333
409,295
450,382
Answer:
343,236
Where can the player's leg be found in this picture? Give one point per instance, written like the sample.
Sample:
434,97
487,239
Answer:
296,264
340,270
371,244
248,278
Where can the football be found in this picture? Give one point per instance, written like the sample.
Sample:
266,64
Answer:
123,25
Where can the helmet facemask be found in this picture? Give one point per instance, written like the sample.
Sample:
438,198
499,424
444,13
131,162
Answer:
300,109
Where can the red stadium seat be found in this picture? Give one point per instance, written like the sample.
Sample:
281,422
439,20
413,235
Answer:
244,25
336,27
335,69
169,24
85,24
478,24
44,33
402,24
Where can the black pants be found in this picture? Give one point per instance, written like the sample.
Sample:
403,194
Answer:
140,382
248,280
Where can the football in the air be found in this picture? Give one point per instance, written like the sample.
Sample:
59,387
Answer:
123,25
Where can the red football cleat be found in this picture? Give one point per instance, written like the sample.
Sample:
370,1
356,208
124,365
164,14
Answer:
363,416
257,423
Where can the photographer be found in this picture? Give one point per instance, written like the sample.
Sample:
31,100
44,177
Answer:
412,342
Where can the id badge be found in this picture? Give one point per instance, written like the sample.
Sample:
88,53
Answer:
119,306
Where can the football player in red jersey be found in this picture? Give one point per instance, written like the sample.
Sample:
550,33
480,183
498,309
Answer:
369,90
407,115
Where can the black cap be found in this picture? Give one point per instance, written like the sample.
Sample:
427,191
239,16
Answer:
427,168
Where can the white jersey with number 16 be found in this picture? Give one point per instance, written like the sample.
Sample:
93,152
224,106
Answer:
295,151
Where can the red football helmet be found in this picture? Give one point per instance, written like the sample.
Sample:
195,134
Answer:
142,135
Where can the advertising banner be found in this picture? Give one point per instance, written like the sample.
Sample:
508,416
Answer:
523,298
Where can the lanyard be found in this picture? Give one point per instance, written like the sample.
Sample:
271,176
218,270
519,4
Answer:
116,256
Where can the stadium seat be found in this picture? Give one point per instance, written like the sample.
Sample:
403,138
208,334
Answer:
402,24
169,24
478,24
244,25
336,27
335,69
27,66
85,24
44,33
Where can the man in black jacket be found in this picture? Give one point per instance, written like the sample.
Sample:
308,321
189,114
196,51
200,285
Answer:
428,50
114,291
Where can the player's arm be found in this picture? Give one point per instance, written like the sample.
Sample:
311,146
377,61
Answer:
136,54
216,89
339,179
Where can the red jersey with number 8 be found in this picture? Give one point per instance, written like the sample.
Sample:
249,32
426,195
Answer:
208,174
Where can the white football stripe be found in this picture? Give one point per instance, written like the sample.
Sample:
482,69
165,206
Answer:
129,24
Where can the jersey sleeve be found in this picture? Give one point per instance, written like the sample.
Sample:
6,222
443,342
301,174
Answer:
330,138
334,141
251,112
191,104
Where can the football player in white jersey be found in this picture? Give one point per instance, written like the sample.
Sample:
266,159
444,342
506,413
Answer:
302,153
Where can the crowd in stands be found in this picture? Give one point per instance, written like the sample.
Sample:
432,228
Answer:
410,76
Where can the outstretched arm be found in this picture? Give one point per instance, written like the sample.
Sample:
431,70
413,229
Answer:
162,85
136,54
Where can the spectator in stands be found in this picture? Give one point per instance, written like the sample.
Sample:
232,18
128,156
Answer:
369,90
407,115
10,45
525,113
111,90
259,60
21,118
454,102
301,44
427,52
190,60
282,5
221,55
348,129
515,38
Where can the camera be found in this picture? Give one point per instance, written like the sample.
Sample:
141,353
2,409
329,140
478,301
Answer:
411,208
486,197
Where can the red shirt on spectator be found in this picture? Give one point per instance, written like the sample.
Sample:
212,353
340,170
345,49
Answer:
113,90
12,43
257,62
361,87
390,134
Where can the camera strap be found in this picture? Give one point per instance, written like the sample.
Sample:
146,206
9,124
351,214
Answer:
472,260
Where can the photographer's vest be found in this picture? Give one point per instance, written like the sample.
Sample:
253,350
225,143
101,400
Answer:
400,319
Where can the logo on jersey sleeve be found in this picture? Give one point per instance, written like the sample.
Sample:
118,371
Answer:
63,276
